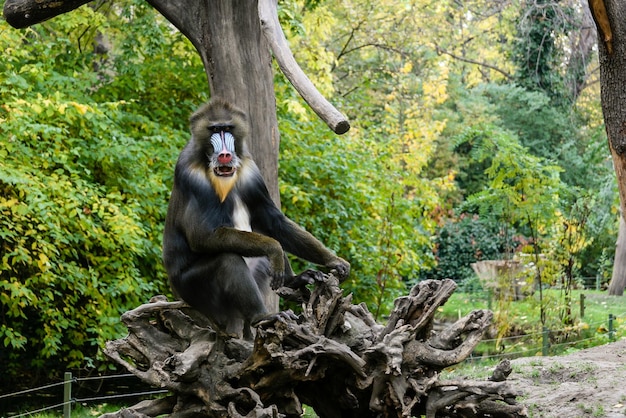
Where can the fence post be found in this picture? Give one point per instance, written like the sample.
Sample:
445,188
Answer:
67,395
545,345
582,305
611,330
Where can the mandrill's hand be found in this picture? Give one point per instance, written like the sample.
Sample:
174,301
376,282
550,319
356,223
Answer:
340,268
277,281
277,266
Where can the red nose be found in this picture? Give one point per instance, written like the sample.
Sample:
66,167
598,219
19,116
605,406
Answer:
224,157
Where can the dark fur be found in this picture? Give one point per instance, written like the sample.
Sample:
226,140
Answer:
204,253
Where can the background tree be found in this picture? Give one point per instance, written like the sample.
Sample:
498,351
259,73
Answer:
609,15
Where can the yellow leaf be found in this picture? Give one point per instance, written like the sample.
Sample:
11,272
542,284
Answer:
43,262
81,108
8,203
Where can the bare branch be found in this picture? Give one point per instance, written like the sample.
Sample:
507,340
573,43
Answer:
268,15
23,13
470,61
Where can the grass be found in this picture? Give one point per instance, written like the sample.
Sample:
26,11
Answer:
522,318
79,411
598,305
517,327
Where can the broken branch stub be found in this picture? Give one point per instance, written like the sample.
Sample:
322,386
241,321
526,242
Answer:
333,357
268,15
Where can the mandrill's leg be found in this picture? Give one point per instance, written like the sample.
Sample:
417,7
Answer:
223,289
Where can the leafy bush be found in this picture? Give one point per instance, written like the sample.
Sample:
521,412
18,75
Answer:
80,225
465,240
84,185
340,189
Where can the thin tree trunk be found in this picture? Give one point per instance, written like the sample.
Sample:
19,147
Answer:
618,280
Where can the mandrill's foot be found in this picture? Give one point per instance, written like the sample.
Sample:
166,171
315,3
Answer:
305,278
294,289
272,318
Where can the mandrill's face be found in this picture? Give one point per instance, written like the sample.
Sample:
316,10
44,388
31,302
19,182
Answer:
220,130
224,160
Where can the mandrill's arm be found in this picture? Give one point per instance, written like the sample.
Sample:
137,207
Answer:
269,220
204,236
247,244
297,241
230,240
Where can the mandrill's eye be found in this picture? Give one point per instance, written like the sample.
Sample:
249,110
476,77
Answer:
220,128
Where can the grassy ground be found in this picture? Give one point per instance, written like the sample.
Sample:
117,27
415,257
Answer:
517,330
79,411
598,305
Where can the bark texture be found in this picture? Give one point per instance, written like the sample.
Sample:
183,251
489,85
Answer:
333,357
610,18
618,279
612,81
23,13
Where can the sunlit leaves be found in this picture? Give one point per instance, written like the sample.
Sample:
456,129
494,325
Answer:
380,203
84,183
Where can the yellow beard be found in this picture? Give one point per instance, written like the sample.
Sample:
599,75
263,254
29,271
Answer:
222,185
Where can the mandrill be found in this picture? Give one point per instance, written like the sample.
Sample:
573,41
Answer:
224,241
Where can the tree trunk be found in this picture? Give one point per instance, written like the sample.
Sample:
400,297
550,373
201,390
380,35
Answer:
238,64
618,279
610,18
333,357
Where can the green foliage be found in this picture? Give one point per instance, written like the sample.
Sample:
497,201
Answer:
151,66
84,184
552,134
523,189
465,240
364,193
333,187
544,128
537,54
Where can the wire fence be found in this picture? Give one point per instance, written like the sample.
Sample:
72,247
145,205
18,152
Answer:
544,346
549,341
69,382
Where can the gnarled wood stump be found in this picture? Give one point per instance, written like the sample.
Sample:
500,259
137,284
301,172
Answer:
333,357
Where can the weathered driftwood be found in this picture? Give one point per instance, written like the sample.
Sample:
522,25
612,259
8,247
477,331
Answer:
333,357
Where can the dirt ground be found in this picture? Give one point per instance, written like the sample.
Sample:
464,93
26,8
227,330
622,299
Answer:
587,383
